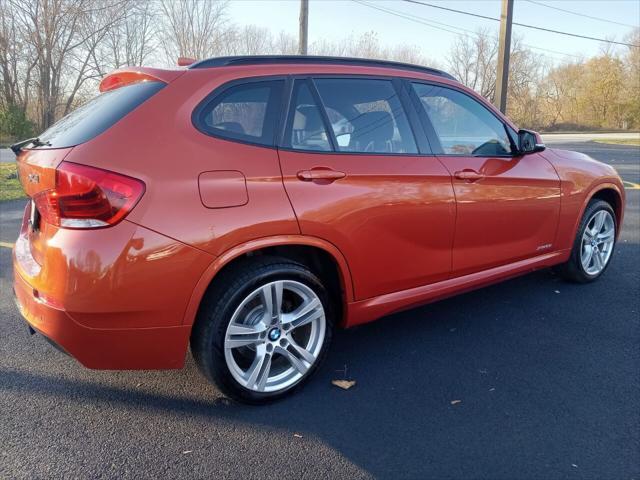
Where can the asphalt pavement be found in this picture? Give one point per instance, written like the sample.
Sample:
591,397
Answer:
532,378
6,155
564,138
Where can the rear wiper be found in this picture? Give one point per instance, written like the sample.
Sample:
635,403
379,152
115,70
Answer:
17,147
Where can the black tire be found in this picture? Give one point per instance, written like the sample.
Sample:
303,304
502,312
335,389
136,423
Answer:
573,270
216,311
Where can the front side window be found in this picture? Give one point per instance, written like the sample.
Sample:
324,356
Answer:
307,129
366,116
247,112
463,126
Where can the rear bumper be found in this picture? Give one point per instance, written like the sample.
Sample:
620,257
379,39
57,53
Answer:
111,298
110,349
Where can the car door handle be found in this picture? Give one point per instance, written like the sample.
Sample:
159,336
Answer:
320,174
468,175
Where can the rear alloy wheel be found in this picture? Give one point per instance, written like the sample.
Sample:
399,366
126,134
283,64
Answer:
263,329
593,245
275,336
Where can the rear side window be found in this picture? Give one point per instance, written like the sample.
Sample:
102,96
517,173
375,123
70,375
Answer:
366,115
98,114
246,112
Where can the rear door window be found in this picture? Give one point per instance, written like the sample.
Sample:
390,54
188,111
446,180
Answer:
306,130
98,114
247,112
366,116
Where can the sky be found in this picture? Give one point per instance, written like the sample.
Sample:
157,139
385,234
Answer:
337,19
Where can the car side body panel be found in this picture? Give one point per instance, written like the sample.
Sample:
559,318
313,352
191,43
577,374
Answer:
227,257
126,296
581,177
509,214
400,204
369,310
170,154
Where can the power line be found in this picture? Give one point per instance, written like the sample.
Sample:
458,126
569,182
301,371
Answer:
413,18
428,23
523,24
580,14
453,10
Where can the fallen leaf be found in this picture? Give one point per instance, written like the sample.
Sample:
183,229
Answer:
187,451
297,435
574,465
455,402
491,389
344,384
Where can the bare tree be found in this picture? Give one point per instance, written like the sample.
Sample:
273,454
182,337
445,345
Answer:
63,36
53,53
284,44
367,45
473,61
85,63
16,61
194,28
247,40
409,54
133,40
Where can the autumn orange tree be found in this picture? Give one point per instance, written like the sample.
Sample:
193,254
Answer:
602,92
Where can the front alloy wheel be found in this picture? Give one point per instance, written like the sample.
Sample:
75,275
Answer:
597,242
594,244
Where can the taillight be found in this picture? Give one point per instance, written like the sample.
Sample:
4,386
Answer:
88,197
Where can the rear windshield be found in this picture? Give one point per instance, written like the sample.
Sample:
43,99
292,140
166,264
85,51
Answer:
98,114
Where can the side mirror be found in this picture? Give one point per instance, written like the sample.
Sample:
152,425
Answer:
529,142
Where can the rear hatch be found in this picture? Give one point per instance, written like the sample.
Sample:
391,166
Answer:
37,174
71,195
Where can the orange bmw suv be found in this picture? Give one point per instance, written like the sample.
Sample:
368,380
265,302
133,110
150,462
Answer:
248,206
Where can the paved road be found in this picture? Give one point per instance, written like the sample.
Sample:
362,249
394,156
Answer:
548,374
6,155
564,138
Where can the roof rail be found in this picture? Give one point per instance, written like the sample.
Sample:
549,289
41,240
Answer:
311,59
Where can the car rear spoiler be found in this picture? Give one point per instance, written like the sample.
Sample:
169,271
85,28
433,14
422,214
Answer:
18,146
125,76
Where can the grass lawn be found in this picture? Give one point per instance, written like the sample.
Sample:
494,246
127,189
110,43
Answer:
10,188
619,141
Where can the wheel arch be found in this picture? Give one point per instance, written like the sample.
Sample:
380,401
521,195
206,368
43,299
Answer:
311,251
610,193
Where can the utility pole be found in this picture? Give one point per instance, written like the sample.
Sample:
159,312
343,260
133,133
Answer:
303,37
502,75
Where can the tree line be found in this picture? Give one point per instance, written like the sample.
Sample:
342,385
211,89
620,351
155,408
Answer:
54,52
601,92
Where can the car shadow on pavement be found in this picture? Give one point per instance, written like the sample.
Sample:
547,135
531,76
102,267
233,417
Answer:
486,376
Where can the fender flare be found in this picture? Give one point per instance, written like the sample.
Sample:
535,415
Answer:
592,192
229,255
